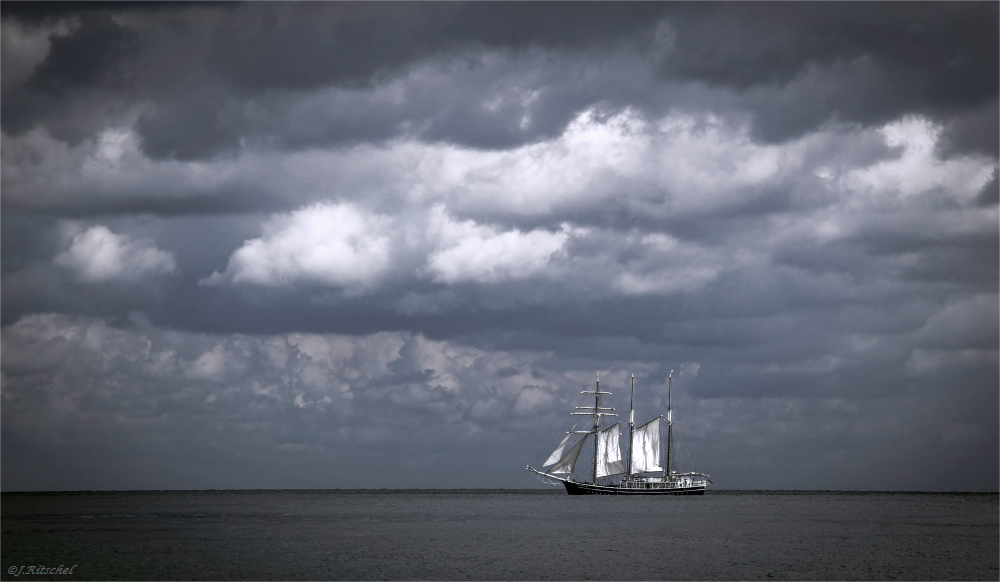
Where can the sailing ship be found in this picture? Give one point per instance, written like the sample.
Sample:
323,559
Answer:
641,471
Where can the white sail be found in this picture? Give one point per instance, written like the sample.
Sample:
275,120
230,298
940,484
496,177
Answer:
558,453
646,448
609,452
568,462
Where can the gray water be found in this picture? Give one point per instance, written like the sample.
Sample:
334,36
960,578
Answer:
505,534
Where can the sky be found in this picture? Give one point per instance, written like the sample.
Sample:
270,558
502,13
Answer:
367,245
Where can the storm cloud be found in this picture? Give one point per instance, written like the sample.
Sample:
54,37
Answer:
341,245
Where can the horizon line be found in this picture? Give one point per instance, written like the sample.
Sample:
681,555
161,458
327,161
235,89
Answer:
467,489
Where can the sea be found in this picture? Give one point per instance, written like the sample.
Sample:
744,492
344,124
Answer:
497,535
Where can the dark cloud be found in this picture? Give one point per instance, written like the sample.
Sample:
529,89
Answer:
89,56
26,239
808,64
356,44
990,193
38,13
922,55
197,125
976,130
314,45
87,59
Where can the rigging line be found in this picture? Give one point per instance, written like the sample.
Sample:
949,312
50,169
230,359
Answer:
643,387
677,430
690,456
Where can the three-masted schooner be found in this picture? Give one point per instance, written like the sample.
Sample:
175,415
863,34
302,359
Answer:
642,461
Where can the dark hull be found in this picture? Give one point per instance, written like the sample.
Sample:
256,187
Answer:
590,489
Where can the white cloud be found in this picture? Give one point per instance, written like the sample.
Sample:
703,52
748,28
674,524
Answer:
344,246
98,255
333,244
473,252
919,169
593,160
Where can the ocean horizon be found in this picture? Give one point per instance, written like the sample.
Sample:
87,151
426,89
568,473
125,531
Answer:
458,490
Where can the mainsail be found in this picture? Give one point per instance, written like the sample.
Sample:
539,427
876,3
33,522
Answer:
609,453
568,462
646,447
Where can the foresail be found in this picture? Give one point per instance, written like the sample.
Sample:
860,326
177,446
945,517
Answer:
609,452
558,453
568,462
646,448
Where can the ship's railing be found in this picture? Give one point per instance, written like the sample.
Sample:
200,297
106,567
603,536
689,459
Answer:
658,483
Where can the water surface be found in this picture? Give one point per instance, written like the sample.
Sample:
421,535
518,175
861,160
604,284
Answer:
502,534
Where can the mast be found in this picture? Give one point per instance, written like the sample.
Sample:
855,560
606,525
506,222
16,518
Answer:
597,425
631,428
597,411
668,469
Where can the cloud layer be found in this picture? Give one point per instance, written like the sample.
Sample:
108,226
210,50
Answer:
249,237
221,411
